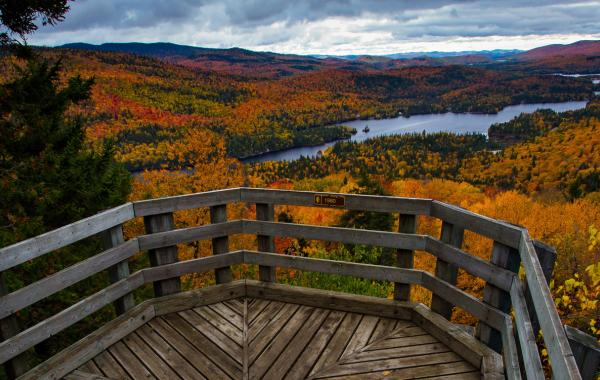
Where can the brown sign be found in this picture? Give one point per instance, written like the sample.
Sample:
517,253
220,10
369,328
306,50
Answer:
330,200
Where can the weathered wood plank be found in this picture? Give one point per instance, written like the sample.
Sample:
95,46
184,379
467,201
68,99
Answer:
168,354
218,214
203,326
533,368
496,275
337,344
478,309
216,321
37,246
90,346
162,256
407,224
199,297
204,349
200,265
283,345
296,346
370,271
151,360
231,316
134,366
266,315
338,234
180,342
361,336
185,202
81,375
9,327
587,352
448,272
420,337
47,286
58,322
330,300
270,331
506,257
188,235
563,361
510,351
109,366
398,352
462,369
112,238
266,212
453,336
366,368
316,346
547,257
496,230
416,206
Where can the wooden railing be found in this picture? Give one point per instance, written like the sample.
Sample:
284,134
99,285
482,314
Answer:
530,300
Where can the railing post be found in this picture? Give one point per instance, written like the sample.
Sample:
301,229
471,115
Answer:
112,238
547,256
162,256
586,351
218,214
265,211
405,257
507,258
452,235
9,327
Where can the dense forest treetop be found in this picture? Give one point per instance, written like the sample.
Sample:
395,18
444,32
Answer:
150,106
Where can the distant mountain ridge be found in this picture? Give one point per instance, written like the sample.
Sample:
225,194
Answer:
586,48
582,56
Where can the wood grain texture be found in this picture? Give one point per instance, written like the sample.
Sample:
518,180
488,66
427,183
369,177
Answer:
407,224
37,246
451,234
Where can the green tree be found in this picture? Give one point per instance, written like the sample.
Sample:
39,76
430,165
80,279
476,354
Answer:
370,220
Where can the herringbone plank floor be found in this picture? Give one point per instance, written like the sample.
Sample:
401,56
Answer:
256,339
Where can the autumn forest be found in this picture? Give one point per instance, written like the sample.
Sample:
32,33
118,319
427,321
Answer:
179,123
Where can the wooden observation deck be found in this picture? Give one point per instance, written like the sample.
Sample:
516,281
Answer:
250,329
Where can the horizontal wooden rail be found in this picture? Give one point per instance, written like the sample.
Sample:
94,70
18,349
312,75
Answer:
47,286
53,325
75,313
504,233
186,202
203,264
467,302
29,249
415,206
337,234
491,273
459,298
561,355
190,234
369,271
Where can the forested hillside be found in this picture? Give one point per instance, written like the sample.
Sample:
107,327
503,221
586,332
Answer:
151,108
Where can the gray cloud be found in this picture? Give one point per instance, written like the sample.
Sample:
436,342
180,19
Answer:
297,26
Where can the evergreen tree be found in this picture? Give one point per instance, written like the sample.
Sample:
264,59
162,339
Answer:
370,220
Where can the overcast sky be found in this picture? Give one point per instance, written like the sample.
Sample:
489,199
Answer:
329,26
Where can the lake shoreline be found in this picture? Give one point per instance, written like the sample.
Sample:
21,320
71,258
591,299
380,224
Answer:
311,152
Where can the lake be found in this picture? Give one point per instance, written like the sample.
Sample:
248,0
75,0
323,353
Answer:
430,123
